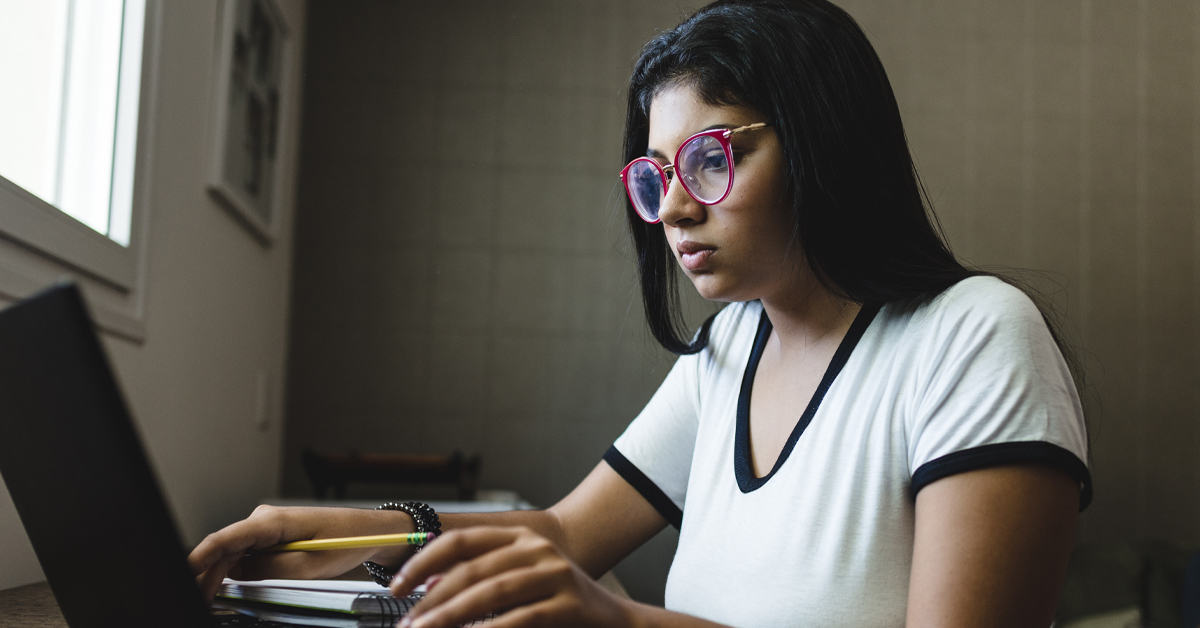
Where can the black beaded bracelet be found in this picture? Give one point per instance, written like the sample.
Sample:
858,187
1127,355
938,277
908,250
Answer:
424,518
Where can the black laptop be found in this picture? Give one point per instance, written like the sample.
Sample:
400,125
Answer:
80,480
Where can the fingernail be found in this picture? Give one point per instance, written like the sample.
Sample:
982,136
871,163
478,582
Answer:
405,623
398,580
432,580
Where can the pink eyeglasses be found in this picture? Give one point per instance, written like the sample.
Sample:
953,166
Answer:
705,165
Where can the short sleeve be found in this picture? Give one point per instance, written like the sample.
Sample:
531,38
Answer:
655,453
992,388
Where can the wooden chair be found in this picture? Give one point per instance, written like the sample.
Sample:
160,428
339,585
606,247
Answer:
338,470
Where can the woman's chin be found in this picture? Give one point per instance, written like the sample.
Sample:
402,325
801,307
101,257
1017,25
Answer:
713,288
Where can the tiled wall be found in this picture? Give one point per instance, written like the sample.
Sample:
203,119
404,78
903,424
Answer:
1062,136
463,280
462,275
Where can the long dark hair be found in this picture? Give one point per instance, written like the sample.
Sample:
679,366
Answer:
860,213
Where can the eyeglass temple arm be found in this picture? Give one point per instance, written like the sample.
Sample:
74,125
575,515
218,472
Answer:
748,127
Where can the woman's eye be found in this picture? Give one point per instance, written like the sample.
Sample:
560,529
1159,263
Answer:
714,160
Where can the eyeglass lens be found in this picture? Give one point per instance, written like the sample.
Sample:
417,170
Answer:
704,170
645,184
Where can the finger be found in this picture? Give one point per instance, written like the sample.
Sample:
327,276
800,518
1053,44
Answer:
508,590
211,580
464,575
234,540
447,550
208,553
222,552
549,612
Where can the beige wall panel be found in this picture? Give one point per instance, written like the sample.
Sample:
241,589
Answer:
1168,413
1114,22
1111,345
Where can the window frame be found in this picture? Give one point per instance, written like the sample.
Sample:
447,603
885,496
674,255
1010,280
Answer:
40,243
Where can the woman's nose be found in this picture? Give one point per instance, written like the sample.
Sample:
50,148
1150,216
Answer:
678,207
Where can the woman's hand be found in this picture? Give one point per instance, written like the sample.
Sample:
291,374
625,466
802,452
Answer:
513,572
224,552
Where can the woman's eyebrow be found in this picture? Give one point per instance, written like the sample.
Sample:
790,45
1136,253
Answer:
650,152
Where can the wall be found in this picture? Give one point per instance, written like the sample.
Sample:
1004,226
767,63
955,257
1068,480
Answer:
217,314
1062,136
462,277
463,280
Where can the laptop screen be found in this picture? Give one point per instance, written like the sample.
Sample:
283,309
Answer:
79,478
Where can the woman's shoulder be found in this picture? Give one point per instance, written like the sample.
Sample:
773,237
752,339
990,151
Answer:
981,299
977,307
987,289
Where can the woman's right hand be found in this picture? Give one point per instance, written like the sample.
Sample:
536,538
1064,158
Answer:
224,553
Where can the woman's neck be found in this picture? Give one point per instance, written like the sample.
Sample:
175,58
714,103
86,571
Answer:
807,313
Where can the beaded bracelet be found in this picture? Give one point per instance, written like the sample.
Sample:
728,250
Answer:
424,518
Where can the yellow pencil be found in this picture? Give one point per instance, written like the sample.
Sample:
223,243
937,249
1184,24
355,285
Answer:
381,540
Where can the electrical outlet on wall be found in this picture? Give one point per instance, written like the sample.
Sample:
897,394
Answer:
262,403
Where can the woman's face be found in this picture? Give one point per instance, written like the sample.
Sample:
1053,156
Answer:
739,249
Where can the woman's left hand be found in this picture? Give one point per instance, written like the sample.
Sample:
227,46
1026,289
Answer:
512,572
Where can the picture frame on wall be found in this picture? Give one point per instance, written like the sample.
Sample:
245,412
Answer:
252,80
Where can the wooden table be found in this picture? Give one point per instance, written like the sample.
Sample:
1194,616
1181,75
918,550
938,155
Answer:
30,606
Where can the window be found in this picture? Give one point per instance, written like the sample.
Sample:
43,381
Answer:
74,128
71,70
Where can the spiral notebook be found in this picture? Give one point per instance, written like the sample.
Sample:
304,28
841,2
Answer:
357,597
318,602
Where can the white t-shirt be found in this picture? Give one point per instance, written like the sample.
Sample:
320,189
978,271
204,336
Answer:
970,380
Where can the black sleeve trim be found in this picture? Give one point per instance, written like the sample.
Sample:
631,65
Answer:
645,486
1006,453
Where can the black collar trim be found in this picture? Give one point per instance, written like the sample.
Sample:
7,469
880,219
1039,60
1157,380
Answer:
742,468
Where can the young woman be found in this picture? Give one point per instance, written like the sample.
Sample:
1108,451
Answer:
869,435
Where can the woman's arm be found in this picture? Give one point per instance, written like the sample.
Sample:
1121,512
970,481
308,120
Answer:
991,548
595,526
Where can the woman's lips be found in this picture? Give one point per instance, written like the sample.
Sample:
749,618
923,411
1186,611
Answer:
694,255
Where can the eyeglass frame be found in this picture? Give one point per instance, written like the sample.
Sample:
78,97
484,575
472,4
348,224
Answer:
722,137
